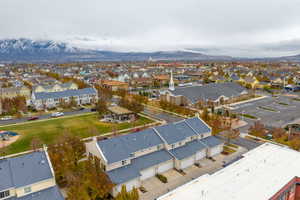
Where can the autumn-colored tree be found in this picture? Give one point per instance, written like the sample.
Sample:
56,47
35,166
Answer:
278,132
124,195
104,93
295,143
101,107
231,134
65,154
257,129
35,144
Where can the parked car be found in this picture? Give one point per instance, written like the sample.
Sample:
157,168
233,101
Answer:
57,114
80,108
6,118
93,109
33,118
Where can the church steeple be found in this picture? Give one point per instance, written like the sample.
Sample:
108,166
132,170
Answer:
171,84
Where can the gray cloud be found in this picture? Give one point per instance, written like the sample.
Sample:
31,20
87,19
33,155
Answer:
152,25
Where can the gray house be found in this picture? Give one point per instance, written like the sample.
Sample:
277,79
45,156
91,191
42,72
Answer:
28,177
213,92
131,159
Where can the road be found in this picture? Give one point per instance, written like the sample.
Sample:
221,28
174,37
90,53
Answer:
41,117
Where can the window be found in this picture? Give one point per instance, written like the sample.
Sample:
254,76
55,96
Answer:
173,145
27,190
124,162
4,194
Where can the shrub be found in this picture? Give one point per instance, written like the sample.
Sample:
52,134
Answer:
162,178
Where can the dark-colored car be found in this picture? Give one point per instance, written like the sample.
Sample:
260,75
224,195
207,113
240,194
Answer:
33,118
81,108
93,109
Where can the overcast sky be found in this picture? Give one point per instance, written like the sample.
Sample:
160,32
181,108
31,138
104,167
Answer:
153,25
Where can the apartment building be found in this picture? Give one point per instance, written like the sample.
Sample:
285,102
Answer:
131,159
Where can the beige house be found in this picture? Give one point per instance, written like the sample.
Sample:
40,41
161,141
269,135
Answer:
16,91
55,87
133,158
27,176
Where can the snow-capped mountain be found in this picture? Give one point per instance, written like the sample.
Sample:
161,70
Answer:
12,46
27,50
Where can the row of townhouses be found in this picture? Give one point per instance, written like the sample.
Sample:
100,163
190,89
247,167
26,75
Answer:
42,100
130,159
28,177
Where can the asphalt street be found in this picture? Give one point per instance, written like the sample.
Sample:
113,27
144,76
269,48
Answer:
45,116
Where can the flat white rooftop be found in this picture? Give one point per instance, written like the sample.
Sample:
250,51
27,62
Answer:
259,175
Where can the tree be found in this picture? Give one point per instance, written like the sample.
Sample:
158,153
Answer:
231,134
65,154
278,132
257,129
124,195
295,143
101,107
35,144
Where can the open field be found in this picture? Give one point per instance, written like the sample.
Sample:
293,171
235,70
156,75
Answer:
47,131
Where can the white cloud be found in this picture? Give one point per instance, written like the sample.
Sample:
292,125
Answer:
152,25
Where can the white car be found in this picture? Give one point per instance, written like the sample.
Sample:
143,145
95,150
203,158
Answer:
57,114
6,118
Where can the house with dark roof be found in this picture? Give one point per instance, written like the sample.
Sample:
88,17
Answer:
215,93
28,177
131,159
42,100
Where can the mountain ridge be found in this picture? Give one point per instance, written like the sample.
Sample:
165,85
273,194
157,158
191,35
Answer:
28,50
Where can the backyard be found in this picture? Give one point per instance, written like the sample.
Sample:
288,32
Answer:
47,131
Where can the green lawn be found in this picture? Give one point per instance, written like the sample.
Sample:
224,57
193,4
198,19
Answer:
47,131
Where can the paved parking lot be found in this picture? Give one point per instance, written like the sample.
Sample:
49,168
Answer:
285,110
156,188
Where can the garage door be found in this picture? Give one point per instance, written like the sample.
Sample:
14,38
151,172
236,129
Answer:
147,173
216,150
200,154
187,162
129,185
165,166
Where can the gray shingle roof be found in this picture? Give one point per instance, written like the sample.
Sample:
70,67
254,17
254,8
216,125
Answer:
211,91
120,148
188,149
211,141
52,193
200,128
131,171
24,170
170,133
66,93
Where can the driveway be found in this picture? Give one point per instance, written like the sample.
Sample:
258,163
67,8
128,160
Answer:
156,188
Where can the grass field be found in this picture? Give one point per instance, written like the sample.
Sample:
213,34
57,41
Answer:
47,131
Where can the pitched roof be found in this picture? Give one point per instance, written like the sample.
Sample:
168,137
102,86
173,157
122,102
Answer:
121,147
46,194
66,93
131,171
188,149
24,170
211,141
211,91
